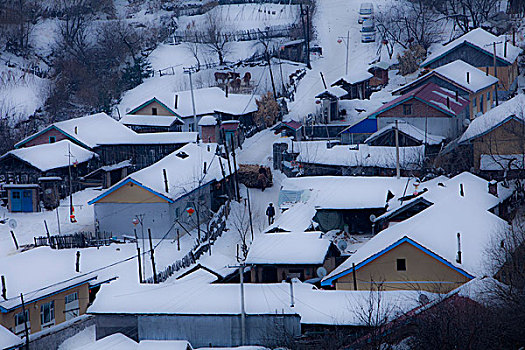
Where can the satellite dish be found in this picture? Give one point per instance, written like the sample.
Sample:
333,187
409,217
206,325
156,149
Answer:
321,272
12,223
342,245
423,299
372,218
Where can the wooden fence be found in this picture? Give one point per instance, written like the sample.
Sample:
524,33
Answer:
76,240
216,228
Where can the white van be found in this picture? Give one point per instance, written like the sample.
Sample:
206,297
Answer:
368,31
366,11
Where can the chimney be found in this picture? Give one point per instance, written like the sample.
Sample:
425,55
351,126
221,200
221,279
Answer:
204,170
461,191
226,86
468,77
458,257
166,188
505,49
4,290
487,70
448,102
76,130
457,96
176,101
493,187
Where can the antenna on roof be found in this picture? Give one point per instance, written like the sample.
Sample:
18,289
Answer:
4,290
458,258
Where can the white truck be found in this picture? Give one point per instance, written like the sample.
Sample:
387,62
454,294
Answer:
366,11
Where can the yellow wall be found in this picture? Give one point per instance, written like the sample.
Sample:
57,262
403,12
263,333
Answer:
8,319
147,110
420,267
506,75
487,104
131,193
506,139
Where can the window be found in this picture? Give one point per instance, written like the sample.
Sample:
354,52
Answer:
481,104
47,314
20,318
16,195
52,139
401,265
72,308
488,96
407,109
154,110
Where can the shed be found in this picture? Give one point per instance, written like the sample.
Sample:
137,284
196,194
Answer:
280,256
290,128
356,84
232,133
329,100
408,136
380,72
358,131
108,175
293,51
23,197
209,130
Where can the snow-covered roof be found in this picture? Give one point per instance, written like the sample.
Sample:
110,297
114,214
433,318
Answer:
207,101
316,152
513,108
456,72
91,130
117,341
52,155
436,228
297,218
409,130
164,345
314,306
208,120
289,249
354,77
100,129
150,120
347,192
434,96
184,169
335,91
482,40
8,340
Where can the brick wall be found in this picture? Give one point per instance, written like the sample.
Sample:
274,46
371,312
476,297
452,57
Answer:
44,138
419,109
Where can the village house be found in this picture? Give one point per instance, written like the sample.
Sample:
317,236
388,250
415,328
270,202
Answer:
438,249
497,139
179,106
358,131
340,202
356,84
312,158
379,71
462,79
429,107
111,140
408,136
275,257
47,165
492,54
291,129
176,193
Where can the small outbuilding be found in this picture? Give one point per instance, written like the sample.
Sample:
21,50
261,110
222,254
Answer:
23,197
290,128
356,84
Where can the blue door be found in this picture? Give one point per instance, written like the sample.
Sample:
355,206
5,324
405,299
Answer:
16,200
27,200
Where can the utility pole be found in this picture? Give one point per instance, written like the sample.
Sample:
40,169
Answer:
26,330
189,71
152,258
495,72
138,254
398,171
346,41
241,268
235,171
71,210
249,210
305,34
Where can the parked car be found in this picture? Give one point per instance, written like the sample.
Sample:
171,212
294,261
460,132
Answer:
368,31
366,11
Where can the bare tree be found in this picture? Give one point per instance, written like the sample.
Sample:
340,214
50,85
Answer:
215,37
467,12
19,21
408,23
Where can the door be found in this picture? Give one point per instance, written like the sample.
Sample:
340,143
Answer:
16,200
27,200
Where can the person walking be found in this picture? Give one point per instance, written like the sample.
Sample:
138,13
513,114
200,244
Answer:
262,178
270,212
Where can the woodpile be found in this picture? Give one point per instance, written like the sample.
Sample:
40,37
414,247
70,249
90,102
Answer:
249,175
